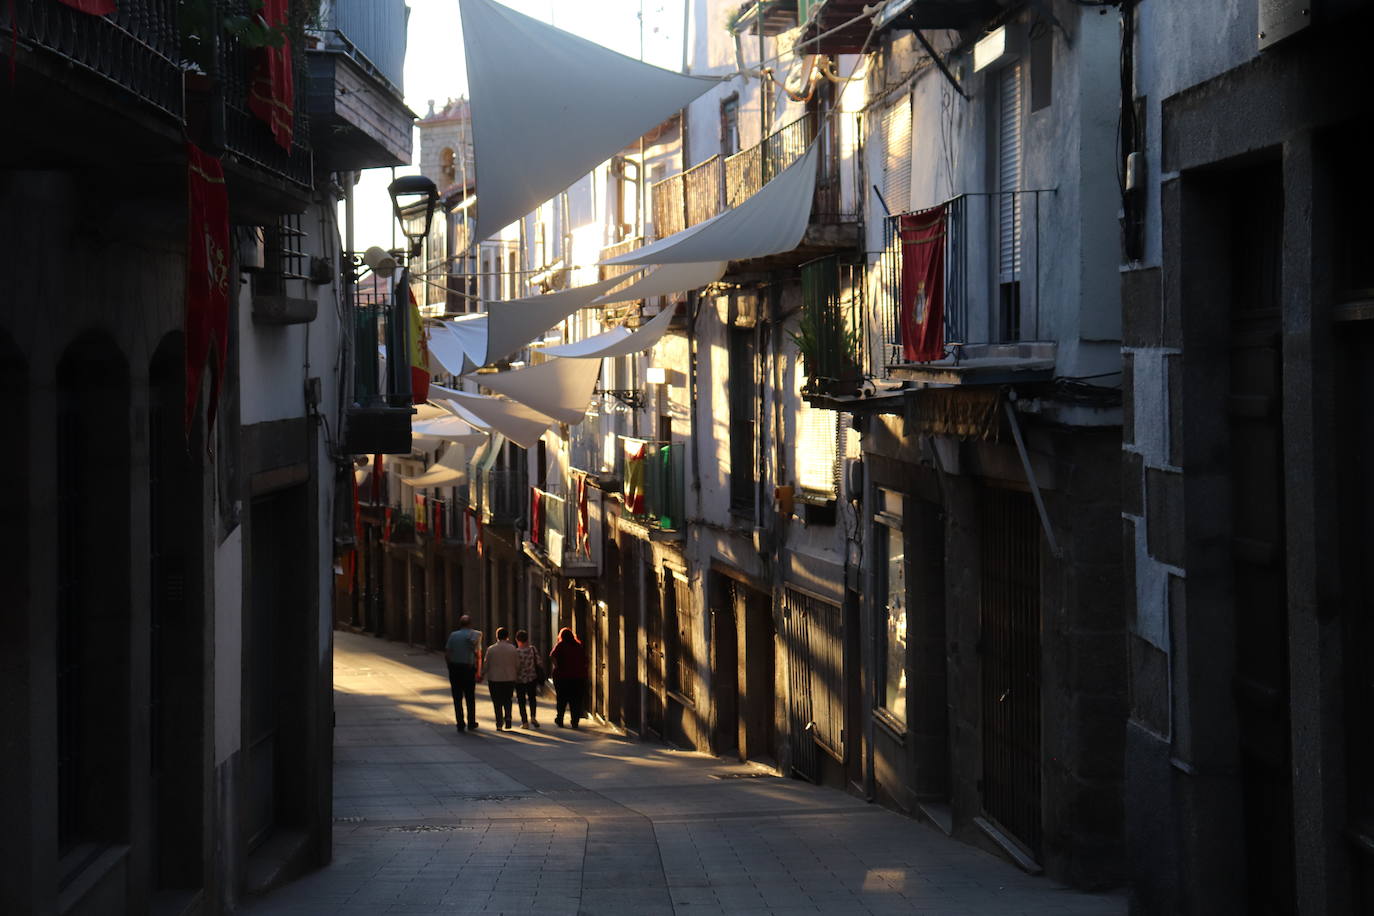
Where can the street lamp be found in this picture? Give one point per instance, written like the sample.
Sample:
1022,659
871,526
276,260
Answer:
407,192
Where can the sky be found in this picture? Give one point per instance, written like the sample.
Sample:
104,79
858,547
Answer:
435,69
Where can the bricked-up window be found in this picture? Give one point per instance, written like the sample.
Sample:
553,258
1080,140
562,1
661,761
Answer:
682,620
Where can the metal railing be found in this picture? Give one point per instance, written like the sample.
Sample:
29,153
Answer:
749,170
704,190
245,134
993,282
137,47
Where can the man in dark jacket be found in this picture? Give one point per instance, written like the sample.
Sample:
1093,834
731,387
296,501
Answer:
464,656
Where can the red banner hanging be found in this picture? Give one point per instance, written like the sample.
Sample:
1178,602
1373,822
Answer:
584,525
923,284
207,277
272,96
536,517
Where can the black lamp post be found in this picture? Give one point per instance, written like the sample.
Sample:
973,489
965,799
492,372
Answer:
407,192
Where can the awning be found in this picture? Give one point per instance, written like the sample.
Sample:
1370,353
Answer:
772,221
559,388
448,471
460,345
518,423
617,341
448,428
513,323
548,107
666,280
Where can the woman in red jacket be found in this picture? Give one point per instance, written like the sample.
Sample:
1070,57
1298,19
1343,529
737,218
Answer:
568,664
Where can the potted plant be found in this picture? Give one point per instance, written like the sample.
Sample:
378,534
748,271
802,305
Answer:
829,346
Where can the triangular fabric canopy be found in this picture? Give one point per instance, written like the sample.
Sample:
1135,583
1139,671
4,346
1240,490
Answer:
770,222
666,280
513,323
448,471
428,411
457,410
518,423
460,345
548,107
615,342
448,428
560,388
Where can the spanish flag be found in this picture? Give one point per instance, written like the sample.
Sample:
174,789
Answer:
419,354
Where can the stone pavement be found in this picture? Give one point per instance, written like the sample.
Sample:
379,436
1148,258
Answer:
557,821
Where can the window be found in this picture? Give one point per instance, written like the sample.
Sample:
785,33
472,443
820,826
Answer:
897,139
729,126
1009,203
741,382
818,432
448,172
582,201
892,591
284,257
682,626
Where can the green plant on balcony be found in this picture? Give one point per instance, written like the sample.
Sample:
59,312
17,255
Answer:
827,339
204,22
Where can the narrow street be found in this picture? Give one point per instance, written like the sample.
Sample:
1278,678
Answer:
560,821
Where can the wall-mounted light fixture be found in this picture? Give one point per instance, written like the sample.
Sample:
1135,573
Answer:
656,375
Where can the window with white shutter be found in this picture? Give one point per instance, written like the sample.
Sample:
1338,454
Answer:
818,434
897,142
1009,203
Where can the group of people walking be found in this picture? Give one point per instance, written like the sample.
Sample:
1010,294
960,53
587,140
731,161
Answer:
514,669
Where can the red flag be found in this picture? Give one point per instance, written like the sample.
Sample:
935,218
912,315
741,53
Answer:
584,525
923,284
536,516
273,94
94,7
207,276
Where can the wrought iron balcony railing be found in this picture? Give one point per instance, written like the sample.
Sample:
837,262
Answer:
137,47
993,287
246,136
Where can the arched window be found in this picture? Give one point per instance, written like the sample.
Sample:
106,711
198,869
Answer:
448,173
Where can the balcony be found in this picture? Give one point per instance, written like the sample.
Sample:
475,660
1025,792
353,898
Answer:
706,189
771,17
378,421
845,27
992,297
554,535
354,93
248,138
82,79
653,492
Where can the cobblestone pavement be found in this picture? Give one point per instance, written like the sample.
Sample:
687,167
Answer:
555,821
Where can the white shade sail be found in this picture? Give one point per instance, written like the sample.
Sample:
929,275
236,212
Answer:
666,280
518,423
617,341
560,388
448,471
548,107
460,346
428,411
770,222
448,428
513,323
